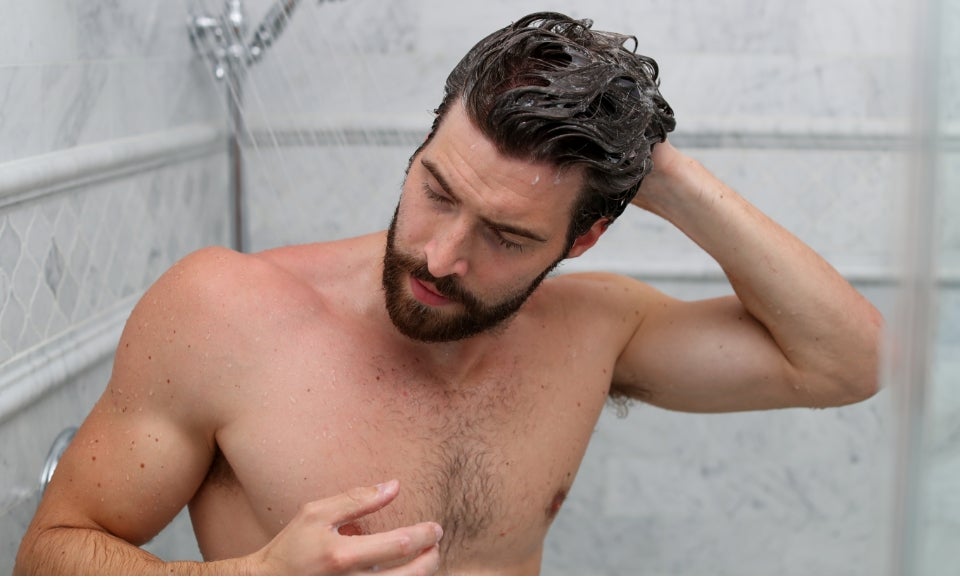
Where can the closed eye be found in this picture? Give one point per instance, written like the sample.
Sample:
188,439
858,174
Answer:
432,195
505,242
495,232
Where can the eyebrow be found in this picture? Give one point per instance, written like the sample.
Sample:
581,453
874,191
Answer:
500,226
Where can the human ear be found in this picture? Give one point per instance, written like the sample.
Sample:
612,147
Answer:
586,240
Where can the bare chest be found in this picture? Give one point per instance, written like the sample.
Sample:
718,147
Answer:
490,459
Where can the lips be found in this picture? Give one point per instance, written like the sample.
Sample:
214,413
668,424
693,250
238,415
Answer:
425,293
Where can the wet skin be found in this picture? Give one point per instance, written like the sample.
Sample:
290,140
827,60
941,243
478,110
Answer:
260,388
485,434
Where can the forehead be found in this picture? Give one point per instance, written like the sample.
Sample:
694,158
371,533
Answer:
471,162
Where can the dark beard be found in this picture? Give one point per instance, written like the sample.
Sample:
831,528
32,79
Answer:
427,324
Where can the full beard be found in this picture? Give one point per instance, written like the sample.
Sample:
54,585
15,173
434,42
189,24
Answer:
427,324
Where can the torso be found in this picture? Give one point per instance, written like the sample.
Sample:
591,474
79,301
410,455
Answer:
330,403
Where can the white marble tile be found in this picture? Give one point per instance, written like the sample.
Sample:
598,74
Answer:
77,105
868,27
25,441
167,35
768,87
37,32
799,489
949,213
191,94
726,59
20,118
301,196
113,29
805,492
140,97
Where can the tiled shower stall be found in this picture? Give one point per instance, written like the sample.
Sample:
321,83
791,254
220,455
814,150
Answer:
115,162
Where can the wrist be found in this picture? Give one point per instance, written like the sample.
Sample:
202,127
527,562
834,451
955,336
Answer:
676,182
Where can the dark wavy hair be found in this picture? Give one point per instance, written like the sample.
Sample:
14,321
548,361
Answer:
549,89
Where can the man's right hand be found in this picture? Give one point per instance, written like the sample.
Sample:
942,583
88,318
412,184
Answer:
311,544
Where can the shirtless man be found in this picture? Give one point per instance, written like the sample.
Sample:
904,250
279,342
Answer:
330,408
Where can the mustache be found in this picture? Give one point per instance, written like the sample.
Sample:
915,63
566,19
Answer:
448,286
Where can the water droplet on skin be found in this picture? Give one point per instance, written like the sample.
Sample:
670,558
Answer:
536,180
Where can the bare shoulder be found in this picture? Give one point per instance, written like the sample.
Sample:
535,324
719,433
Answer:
214,284
213,312
606,295
191,325
610,306
148,442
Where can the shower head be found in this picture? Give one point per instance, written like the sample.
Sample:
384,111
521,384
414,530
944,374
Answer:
270,28
222,39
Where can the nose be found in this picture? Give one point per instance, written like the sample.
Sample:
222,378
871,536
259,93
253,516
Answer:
446,252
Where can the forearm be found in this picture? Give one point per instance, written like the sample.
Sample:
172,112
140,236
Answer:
825,329
78,551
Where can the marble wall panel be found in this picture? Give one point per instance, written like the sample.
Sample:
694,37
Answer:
773,59
42,31
75,73
20,118
801,487
26,443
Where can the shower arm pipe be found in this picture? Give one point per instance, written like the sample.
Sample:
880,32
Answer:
221,40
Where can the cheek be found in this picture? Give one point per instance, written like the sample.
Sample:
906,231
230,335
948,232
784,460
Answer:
410,227
499,279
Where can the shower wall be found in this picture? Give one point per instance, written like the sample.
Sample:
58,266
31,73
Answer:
801,105
112,166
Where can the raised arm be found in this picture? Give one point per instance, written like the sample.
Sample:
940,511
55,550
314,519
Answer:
795,334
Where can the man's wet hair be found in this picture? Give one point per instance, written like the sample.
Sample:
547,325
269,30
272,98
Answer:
550,89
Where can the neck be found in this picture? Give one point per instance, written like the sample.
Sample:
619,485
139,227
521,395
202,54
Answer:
451,362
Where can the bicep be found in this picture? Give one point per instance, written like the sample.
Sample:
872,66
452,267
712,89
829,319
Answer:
704,356
129,470
146,445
